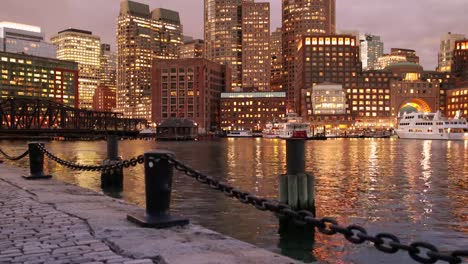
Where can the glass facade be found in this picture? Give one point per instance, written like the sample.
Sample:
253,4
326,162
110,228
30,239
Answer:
37,77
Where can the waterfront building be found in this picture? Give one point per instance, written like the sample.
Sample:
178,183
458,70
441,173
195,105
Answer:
457,100
21,38
371,48
302,17
85,48
223,36
251,110
447,46
192,49
276,51
256,67
104,98
460,62
108,67
189,88
27,76
142,36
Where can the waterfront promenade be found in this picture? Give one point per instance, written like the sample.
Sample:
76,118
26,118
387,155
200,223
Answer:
51,222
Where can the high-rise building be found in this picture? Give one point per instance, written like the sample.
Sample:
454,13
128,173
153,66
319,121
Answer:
301,17
108,67
142,36
192,49
276,51
189,88
223,35
460,62
85,48
447,45
27,76
256,68
397,55
104,98
20,38
409,54
371,49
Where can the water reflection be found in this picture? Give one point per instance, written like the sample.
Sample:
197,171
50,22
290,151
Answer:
417,190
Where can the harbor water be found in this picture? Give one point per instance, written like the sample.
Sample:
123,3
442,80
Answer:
415,189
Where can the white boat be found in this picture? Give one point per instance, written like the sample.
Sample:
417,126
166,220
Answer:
294,127
148,131
271,130
432,126
239,133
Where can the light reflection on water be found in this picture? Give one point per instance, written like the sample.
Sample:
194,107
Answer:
417,190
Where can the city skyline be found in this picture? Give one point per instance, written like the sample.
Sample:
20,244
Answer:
368,16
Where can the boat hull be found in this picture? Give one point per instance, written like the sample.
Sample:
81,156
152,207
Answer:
441,136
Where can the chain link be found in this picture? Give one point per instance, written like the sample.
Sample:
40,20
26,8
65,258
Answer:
103,168
355,234
14,158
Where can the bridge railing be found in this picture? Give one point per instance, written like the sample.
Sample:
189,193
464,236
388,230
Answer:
159,166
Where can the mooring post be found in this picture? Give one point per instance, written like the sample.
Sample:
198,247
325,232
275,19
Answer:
36,163
112,180
158,187
295,156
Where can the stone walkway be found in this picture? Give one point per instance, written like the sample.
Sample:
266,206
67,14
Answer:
33,232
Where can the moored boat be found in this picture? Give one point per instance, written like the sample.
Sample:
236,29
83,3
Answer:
294,127
239,133
432,126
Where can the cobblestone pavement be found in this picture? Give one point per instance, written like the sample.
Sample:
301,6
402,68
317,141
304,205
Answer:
33,232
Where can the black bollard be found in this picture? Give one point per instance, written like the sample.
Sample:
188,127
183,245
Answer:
36,163
295,156
112,180
158,186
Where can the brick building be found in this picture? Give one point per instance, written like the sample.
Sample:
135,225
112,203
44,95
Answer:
189,88
104,98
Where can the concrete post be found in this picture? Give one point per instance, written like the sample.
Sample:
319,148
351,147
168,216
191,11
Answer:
36,163
158,187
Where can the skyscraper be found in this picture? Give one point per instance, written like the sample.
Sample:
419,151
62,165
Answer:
256,66
85,48
192,49
141,37
371,49
108,67
447,45
302,17
20,38
223,35
276,51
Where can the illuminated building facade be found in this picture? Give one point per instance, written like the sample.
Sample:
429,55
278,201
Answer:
276,50
85,48
27,76
409,54
251,110
302,17
104,98
326,58
460,62
192,49
256,67
189,88
447,46
108,67
457,99
371,49
142,36
20,38
223,36
397,55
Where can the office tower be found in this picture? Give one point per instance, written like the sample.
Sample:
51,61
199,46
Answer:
460,62
371,49
302,17
142,36
189,88
409,54
397,55
276,51
223,36
85,48
447,45
27,76
104,99
192,49
20,38
108,67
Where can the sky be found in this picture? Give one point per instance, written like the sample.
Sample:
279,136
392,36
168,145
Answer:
412,24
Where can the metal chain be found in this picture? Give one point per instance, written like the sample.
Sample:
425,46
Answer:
14,158
355,234
104,168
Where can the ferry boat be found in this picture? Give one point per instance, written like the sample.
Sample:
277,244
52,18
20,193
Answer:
432,126
294,127
271,130
239,133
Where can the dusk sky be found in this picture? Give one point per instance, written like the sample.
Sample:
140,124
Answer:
415,24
